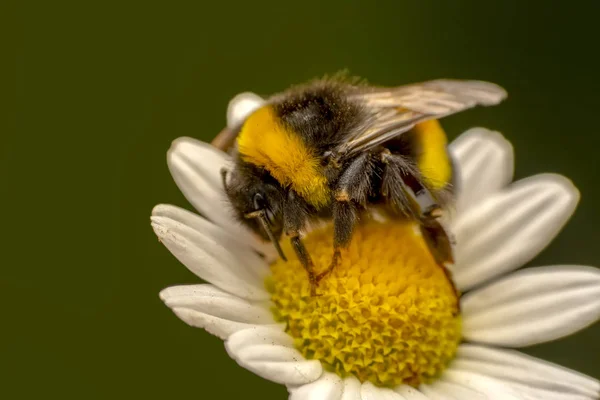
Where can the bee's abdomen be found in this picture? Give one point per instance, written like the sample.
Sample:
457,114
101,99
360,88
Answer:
432,158
425,147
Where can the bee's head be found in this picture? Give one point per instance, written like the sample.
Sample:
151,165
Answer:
257,200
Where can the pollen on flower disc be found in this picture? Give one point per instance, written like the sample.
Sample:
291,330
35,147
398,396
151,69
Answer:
387,314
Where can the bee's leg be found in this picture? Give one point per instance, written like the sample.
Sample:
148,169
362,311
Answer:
409,196
439,243
344,217
294,218
420,204
352,189
437,239
305,260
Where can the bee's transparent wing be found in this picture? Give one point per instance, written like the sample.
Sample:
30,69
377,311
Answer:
393,111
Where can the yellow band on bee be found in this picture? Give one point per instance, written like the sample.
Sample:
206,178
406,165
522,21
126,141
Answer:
433,162
264,142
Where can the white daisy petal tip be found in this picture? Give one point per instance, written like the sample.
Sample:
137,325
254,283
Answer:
351,389
478,133
165,210
240,107
267,353
232,240
190,147
484,162
158,210
328,387
457,384
219,313
208,259
219,327
195,166
533,306
410,393
500,144
190,158
213,301
368,391
511,227
163,295
557,187
259,335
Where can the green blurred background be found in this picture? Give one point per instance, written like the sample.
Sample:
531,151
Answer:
102,88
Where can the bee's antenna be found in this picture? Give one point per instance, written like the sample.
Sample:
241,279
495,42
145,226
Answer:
262,218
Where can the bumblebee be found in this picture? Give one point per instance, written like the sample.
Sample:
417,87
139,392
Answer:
336,150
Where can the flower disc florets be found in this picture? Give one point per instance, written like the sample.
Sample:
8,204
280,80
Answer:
387,313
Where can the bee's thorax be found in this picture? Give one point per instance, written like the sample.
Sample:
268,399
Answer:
265,142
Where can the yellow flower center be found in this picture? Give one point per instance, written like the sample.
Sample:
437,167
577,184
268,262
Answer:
387,314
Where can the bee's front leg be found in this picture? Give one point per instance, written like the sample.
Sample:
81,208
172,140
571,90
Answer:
305,260
344,219
294,219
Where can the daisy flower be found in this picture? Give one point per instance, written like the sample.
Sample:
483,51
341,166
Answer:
388,322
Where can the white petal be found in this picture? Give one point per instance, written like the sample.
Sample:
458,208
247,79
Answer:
478,385
410,393
258,336
241,250
195,167
351,389
441,390
210,300
533,306
209,259
368,391
434,393
511,227
266,353
219,327
526,393
279,364
328,387
240,107
484,164
205,160
526,374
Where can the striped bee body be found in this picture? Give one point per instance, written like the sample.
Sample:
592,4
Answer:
333,149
